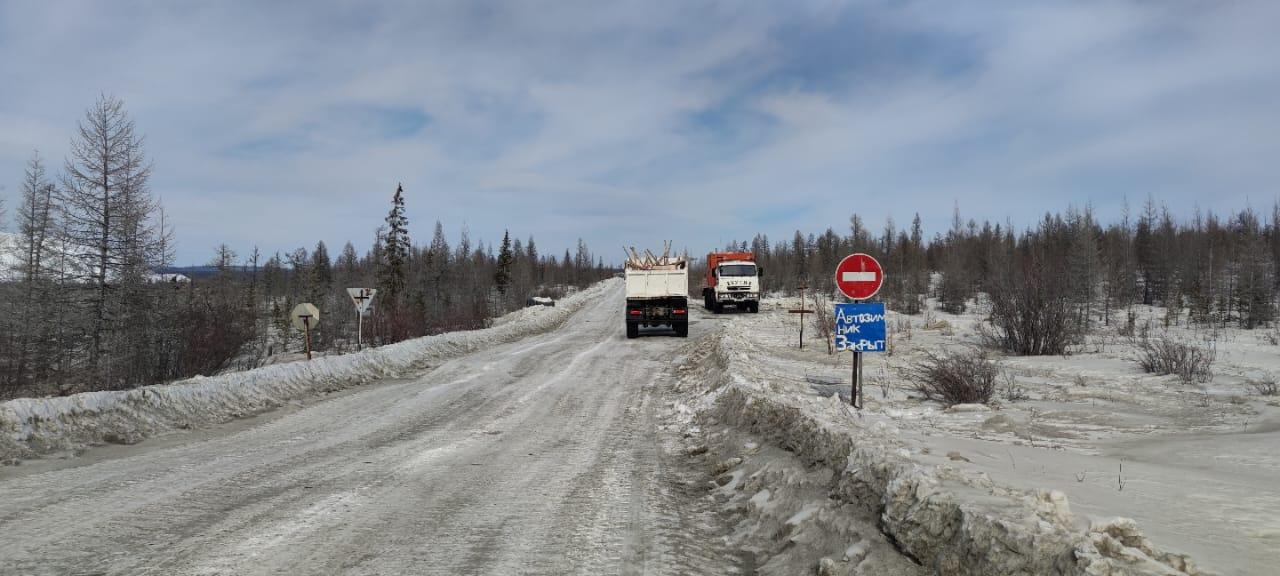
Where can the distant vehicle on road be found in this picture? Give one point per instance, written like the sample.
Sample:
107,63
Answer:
657,292
539,301
732,279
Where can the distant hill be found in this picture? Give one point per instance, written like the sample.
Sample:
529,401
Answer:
10,260
200,271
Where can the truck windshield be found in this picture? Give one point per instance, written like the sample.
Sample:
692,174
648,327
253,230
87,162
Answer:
738,270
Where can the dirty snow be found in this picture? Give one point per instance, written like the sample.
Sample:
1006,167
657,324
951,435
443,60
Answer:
881,490
35,426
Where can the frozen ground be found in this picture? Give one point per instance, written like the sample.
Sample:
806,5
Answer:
1196,466
550,444
545,455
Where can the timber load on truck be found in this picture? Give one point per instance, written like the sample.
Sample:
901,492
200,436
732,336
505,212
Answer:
732,279
657,291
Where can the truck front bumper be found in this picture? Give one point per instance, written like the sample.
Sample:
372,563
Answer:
737,296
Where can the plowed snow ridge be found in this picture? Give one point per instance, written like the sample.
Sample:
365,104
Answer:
34,426
950,521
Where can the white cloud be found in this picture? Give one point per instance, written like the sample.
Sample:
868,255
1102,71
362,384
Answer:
635,122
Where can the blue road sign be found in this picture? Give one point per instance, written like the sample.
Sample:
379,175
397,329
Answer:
860,327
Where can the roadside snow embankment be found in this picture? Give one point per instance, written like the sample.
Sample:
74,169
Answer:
947,520
33,426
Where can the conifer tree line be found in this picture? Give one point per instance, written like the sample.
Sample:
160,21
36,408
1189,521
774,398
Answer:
84,308
1044,285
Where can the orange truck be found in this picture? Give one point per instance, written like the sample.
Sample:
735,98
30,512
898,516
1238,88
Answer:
733,279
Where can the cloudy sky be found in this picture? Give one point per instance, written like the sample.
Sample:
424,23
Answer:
283,123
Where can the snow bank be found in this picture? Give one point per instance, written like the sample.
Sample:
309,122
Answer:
34,426
950,521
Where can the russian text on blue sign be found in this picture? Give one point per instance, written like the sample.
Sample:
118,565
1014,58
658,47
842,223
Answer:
860,327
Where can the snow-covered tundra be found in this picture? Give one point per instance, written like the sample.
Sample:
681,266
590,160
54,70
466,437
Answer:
551,444
1085,455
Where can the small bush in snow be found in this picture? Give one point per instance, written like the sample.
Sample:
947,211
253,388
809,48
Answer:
1265,386
1189,362
1011,390
824,319
1032,314
957,377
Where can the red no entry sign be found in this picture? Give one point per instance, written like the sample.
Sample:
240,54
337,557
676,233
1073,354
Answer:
859,276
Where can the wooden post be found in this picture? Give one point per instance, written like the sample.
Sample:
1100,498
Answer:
802,287
306,323
802,330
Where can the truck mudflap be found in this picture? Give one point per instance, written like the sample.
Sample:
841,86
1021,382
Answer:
672,312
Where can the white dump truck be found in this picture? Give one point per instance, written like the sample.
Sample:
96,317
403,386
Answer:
657,292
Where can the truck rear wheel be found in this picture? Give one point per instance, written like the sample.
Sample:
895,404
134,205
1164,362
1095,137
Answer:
754,307
633,330
682,329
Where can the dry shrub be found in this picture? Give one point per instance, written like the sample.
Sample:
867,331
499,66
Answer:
1265,386
956,377
1164,356
1032,313
824,318
1011,390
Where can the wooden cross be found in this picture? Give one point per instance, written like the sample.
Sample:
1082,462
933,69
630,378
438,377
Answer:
801,312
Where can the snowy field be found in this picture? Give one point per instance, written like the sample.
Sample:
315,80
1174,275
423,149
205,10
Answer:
1089,437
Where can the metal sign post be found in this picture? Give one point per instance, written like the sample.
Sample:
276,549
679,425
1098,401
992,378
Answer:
855,393
860,327
362,298
305,316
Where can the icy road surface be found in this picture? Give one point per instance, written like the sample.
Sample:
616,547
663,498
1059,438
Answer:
539,457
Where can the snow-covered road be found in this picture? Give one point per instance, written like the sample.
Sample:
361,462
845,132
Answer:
541,456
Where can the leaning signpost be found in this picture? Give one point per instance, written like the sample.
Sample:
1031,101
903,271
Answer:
860,326
305,317
362,298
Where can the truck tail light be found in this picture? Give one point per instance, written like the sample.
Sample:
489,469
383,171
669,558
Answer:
634,312
680,311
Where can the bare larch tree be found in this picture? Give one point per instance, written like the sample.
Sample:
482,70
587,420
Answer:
107,208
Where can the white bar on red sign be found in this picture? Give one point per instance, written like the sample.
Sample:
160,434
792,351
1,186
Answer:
858,277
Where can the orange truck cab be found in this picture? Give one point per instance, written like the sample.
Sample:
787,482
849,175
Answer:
732,279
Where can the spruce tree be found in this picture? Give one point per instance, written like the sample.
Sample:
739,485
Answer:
395,252
502,275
